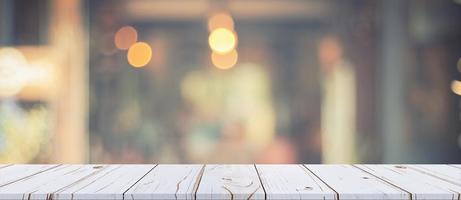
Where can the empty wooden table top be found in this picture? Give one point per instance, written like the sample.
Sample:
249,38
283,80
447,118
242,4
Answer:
230,181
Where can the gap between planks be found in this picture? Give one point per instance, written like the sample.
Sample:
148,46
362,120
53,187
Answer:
260,181
28,176
426,177
456,166
197,185
408,192
6,165
123,195
336,192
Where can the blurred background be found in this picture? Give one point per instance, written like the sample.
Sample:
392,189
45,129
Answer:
230,81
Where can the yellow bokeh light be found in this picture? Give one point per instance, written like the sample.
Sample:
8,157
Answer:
222,40
456,87
125,37
14,71
220,20
224,61
139,54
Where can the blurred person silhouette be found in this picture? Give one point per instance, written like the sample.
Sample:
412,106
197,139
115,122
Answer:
338,120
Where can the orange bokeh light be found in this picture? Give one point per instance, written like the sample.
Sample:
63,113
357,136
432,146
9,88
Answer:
224,61
125,37
220,20
456,87
139,54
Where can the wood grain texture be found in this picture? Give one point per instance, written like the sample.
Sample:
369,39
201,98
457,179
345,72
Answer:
168,182
352,183
292,182
420,185
42,185
110,182
230,182
68,191
12,173
445,172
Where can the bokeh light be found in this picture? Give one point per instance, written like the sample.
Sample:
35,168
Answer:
139,54
220,20
13,75
222,40
456,87
224,61
125,37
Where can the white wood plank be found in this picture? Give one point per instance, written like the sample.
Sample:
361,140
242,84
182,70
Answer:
230,182
40,186
12,173
4,165
445,172
420,185
109,183
352,183
292,182
68,191
168,182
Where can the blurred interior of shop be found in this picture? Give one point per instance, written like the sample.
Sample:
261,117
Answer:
230,81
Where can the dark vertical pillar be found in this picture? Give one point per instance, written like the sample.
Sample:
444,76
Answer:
6,22
391,81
